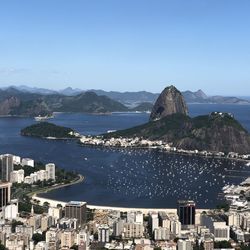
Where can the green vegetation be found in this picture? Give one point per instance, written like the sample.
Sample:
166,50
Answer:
224,206
208,132
154,129
16,102
2,247
90,102
23,191
38,237
222,244
245,247
25,205
46,129
208,121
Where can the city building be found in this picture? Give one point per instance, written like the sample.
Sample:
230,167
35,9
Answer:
164,220
7,166
46,222
51,171
153,221
65,223
139,217
83,239
10,211
217,227
35,221
133,230
103,233
186,213
68,238
42,245
28,162
25,229
184,245
208,244
17,176
55,212
42,175
5,193
118,227
53,233
16,242
77,210
16,160
161,233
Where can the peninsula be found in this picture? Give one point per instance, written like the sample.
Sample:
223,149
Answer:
170,124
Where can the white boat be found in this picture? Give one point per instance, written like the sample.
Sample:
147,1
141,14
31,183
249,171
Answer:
111,131
42,118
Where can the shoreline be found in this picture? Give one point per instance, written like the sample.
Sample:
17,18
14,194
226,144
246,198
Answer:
168,152
54,202
51,188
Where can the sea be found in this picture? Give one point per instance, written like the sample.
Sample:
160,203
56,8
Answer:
137,178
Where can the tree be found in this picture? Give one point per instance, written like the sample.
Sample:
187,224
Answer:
2,247
224,207
38,237
75,247
222,244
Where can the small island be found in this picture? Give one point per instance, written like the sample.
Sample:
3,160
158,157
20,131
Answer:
49,131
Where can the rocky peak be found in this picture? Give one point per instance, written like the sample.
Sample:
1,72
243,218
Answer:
169,102
201,94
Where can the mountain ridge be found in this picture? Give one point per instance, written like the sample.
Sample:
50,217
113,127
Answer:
130,98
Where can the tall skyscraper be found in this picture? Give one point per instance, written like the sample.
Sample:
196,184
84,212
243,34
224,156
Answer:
6,166
186,212
77,210
5,192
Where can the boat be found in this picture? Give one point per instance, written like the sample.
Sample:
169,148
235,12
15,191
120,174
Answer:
111,131
42,118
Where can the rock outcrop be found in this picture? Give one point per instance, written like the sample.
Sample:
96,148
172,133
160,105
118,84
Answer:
169,102
7,105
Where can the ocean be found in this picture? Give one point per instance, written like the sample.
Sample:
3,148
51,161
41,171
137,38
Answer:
125,177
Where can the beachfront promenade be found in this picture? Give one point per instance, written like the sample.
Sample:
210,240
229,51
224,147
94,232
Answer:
122,209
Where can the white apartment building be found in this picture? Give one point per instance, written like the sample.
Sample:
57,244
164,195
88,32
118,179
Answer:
28,162
17,176
51,171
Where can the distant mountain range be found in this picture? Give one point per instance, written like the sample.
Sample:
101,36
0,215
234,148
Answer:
27,101
20,103
132,99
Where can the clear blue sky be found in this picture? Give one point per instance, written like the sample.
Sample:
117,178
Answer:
126,44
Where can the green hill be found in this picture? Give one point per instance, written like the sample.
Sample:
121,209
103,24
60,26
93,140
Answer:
46,129
14,102
214,132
